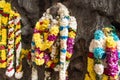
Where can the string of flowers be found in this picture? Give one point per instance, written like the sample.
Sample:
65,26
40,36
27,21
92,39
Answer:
111,55
64,25
18,47
71,39
99,52
63,45
11,21
10,56
40,46
4,13
44,36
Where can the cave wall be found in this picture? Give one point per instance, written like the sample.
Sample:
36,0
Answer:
90,15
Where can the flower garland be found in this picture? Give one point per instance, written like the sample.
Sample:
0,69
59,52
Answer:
50,54
10,21
104,50
111,54
97,47
10,57
111,58
71,39
18,47
63,45
40,45
4,9
43,38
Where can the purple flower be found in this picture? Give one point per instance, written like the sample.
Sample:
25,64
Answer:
112,61
51,37
46,57
70,43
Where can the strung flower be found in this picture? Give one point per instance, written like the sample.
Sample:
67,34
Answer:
99,69
63,11
95,43
98,52
111,57
110,42
118,45
99,35
115,37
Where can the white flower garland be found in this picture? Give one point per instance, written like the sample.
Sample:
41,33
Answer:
18,46
10,57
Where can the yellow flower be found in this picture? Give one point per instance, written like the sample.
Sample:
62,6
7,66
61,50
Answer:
3,65
39,62
42,25
4,20
41,55
17,27
24,52
3,54
4,35
2,3
20,68
87,77
49,63
37,26
48,44
105,77
7,7
55,60
90,69
11,13
18,39
110,42
68,55
72,34
54,30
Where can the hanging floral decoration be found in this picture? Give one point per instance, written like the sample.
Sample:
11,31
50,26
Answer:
53,40
10,40
4,9
104,55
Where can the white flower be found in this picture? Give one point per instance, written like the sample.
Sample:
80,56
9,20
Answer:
96,43
99,69
34,74
63,43
17,20
10,73
18,75
57,68
73,23
118,45
64,22
63,11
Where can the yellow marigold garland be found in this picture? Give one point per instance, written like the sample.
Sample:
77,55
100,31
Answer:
41,39
4,14
10,20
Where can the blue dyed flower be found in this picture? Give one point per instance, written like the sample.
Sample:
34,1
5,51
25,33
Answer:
115,37
98,53
98,35
119,55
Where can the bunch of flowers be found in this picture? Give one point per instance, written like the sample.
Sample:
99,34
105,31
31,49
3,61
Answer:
105,51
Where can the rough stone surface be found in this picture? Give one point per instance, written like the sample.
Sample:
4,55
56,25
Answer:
90,14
